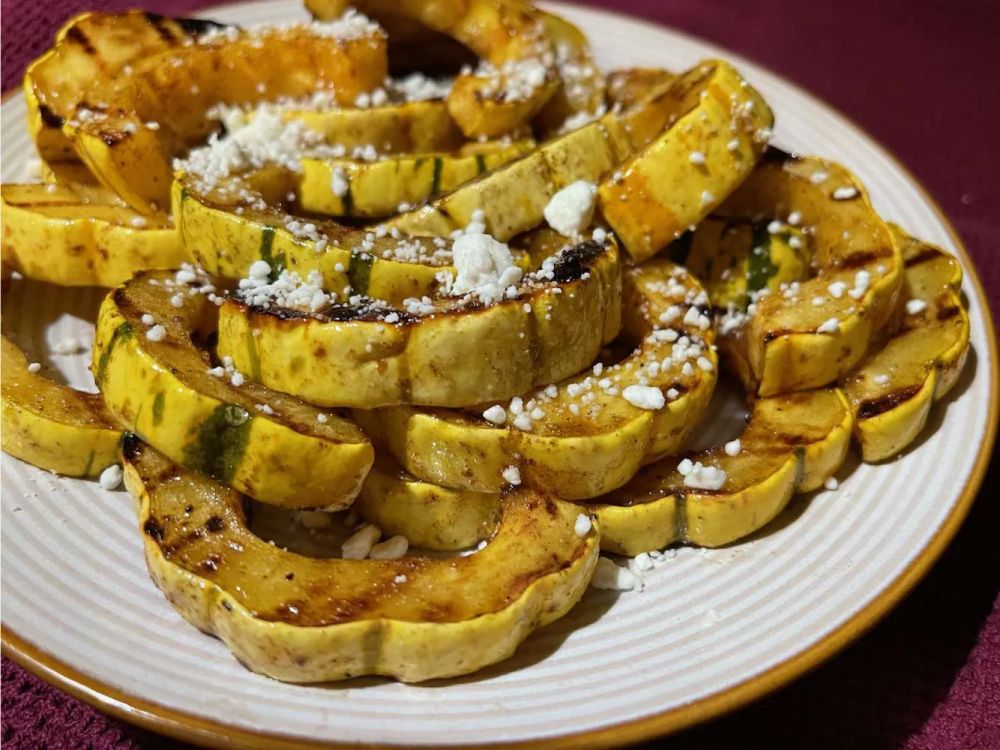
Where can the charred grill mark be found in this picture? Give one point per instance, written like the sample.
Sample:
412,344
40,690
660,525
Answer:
925,254
774,155
131,446
873,407
575,261
153,529
777,334
863,258
75,34
112,138
948,311
214,524
49,117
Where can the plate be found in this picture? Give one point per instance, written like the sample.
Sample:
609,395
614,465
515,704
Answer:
710,631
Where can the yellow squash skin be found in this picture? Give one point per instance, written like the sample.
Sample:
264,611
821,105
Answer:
394,128
575,455
163,392
89,54
716,130
53,426
78,237
513,197
225,238
498,31
792,443
429,516
458,356
892,391
175,89
301,619
379,188
780,347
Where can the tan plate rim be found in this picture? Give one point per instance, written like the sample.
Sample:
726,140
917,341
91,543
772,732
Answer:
217,734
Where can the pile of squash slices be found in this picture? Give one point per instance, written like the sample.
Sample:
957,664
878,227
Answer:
422,281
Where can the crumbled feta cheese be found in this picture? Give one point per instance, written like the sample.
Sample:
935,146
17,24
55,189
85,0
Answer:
322,418
818,177
845,193
831,484
696,157
644,397
111,477
571,209
485,267
608,575
837,289
495,415
156,333
795,218
511,475
733,447
881,379
701,477
359,544
640,564
401,578
707,197
915,306
34,367
705,364
237,379
147,319
338,182
582,525
392,548
774,227
138,222
831,325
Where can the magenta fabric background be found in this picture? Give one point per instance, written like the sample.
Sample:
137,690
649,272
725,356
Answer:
920,76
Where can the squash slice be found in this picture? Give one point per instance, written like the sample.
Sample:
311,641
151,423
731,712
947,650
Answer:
586,439
303,619
157,382
717,128
892,391
581,82
626,87
792,443
379,188
159,110
429,516
814,334
82,236
225,234
455,353
91,51
53,426
518,75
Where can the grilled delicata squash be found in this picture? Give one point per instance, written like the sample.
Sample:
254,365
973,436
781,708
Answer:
82,235
429,516
53,426
819,330
892,391
159,110
162,386
792,443
626,87
717,128
514,196
586,438
450,351
345,187
518,74
302,619
90,52
737,258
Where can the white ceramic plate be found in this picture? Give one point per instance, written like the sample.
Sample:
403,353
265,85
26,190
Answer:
711,630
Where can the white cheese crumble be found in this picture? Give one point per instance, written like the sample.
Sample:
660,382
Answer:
845,193
818,177
485,268
392,548
837,289
111,477
915,306
707,197
34,367
359,544
696,157
733,447
67,345
289,291
881,379
571,209
644,397
495,415
609,575
830,325
338,182
156,333
699,476
831,484
511,475
583,525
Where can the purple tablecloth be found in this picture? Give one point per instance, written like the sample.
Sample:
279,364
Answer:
919,75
